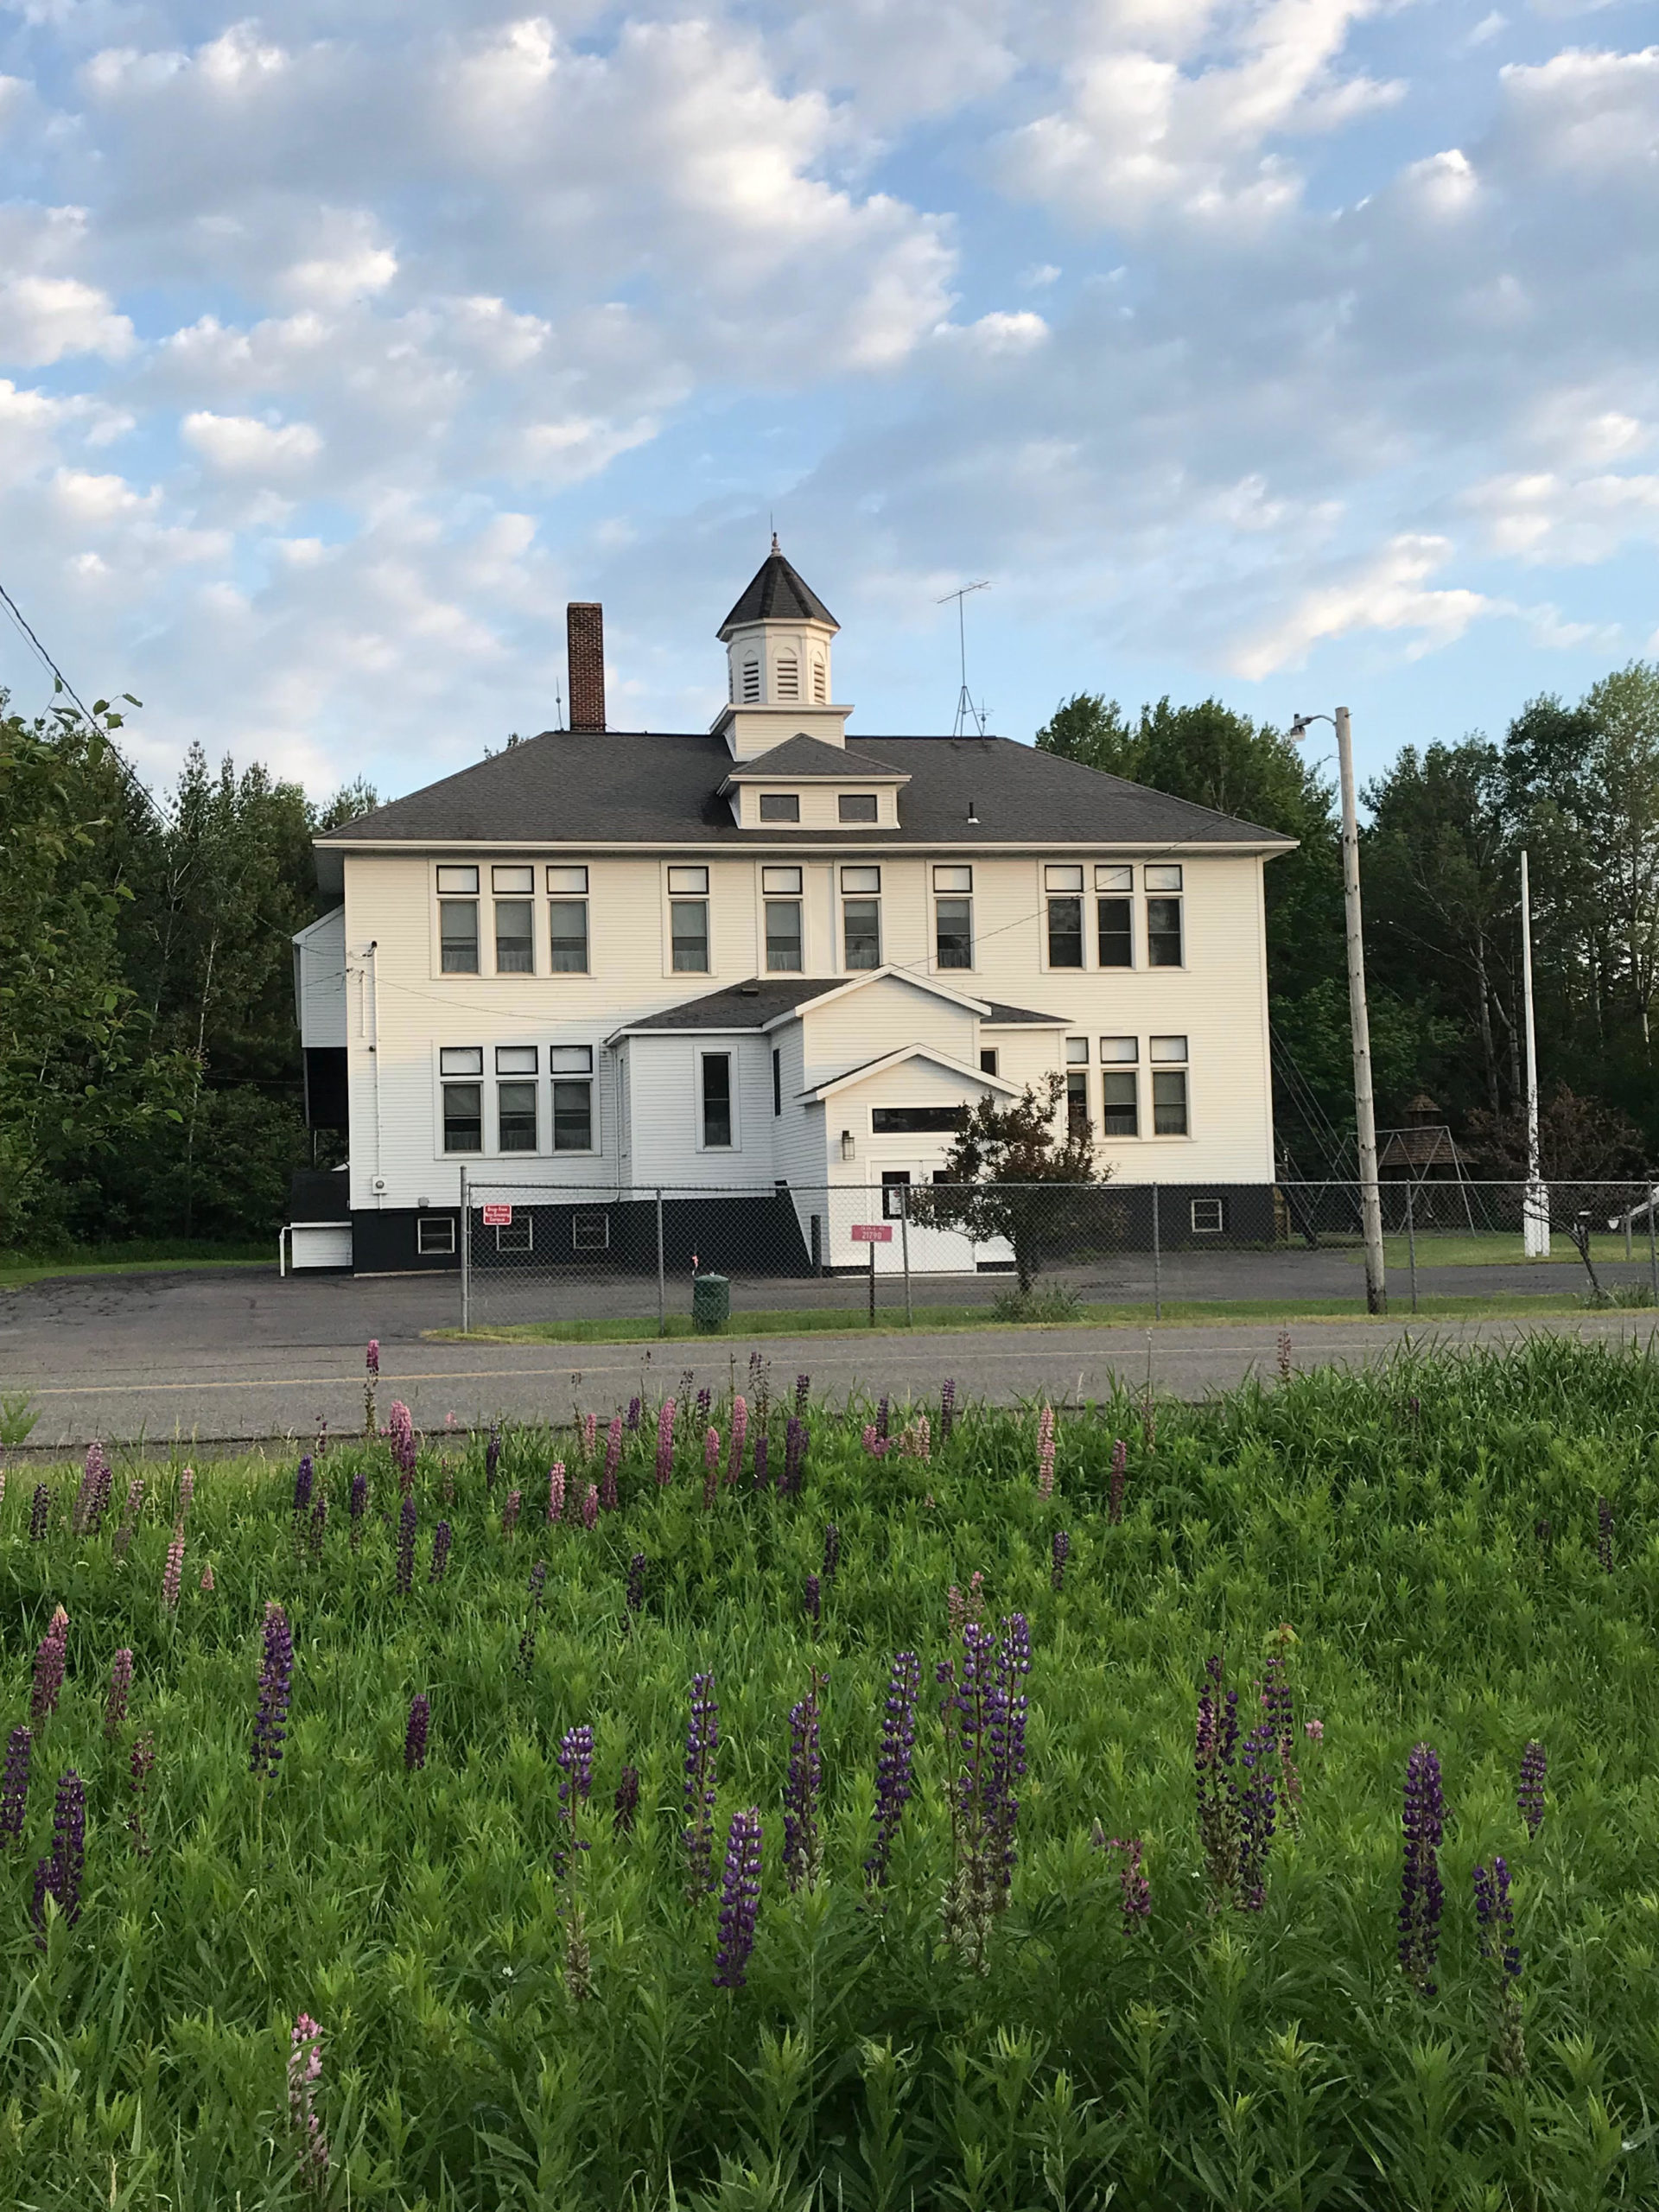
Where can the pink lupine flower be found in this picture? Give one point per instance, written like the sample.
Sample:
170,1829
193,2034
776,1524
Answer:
590,1506
400,1427
1045,1452
739,1430
1315,1729
510,1511
208,1579
115,1708
589,1435
612,1461
187,1491
174,1572
664,1442
925,1441
556,1492
50,1654
304,2072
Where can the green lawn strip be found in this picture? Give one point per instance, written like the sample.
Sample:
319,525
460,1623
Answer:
1501,1250
144,1257
813,1321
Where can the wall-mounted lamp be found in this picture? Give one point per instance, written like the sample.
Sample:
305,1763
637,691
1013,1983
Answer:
847,1144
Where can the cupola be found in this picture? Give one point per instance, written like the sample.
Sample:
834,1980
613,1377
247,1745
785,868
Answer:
777,640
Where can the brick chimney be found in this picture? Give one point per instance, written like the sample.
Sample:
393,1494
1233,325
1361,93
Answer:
584,633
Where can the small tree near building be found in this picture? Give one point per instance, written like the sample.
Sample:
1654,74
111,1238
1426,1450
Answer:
1014,1171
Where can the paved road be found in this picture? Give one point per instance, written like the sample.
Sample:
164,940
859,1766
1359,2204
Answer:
229,1356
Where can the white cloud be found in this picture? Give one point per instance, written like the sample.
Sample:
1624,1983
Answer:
42,319
1389,592
244,447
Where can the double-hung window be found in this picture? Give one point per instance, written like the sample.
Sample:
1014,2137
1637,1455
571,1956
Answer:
567,921
1169,1099
1164,947
458,921
1120,1084
953,916
716,1070
1114,916
781,896
572,1069
687,920
515,908
861,916
463,1103
1062,887
1077,1086
516,1070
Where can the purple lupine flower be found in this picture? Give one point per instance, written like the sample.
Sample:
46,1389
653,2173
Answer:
636,1590
802,1842
92,1499
831,1551
575,1758
1257,1805
1605,1535
302,1485
590,1506
59,1874
883,1417
813,1598
664,1443
1058,1551
1134,1890
115,1708
1045,1453
556,1492
139,1765
1494,1915
1529,1797
626,1804
356,1506
400,1427
702,1747
947,1410
304,2072
1115,1485
130,1516
372,1358
442,1537
173,1573
319,1524
894,1771
795,1440
1421,1897
635,1409
14,1788
1279,1706
38,1512
415,1733
705,1404
50,1656
510,1511
407,1517
759,1458
740,1899
612,1461
1007,1738
1219,1813
740,1432
527,1640
276,1687
802,1395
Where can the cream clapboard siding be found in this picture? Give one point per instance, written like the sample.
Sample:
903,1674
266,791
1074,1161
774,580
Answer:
395,999
665,1091
319,981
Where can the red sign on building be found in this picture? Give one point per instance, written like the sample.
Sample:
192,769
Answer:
498,1216
872,1232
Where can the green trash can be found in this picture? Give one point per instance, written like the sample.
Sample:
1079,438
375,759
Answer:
711,1301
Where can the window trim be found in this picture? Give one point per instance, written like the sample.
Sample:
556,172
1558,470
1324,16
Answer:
703,1057
595,1144
1050,966
788,820
446,1150
522,1218
968,967
1176,900
1216,1228
860,899
844,799
1127,1071
532,1084
528,901
438,966
777,1082
586,967
1126,900
799,904
425,1222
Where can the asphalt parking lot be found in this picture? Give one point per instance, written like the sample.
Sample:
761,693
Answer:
220,1357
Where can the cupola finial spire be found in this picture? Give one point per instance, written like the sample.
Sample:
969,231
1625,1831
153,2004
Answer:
776,547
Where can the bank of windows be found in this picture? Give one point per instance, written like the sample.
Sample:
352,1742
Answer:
861,917
687,920
780,890
1121,1095
510,1110
953,916
1162,927
511,919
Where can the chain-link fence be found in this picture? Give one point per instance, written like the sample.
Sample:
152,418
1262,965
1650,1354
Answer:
677,1260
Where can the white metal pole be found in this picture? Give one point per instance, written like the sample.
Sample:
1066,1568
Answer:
1370,1198
1535,1216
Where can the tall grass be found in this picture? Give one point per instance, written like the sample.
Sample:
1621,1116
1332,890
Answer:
1430,1534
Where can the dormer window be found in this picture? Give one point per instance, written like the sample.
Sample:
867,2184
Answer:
780,806
751,683
789,676
857,806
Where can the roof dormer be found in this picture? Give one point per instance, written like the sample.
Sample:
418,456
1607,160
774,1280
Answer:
804,783
777,640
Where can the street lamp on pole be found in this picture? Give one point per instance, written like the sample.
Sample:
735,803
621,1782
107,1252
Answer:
1370,1196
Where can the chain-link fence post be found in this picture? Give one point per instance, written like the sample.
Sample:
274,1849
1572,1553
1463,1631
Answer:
904,1247
466,1256
1411,1245
1653,1243
661,1272
1156,1261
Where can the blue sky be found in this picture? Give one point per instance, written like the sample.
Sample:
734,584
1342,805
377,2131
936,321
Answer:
1296,350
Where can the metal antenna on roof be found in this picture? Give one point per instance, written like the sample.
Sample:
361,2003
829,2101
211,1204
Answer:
966,710
558,704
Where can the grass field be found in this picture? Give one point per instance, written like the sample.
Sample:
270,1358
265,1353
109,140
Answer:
1091,1973
136,1256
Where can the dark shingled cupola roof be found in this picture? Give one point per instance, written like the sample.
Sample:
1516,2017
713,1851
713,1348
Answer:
776,592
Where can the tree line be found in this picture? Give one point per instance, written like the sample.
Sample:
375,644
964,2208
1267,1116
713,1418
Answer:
1577,786
149,1069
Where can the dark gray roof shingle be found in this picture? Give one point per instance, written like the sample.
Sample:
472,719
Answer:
1012,1017
739,1006
576,787
775,591
801,756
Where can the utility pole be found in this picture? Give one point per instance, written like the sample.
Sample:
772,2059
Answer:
1370,1196
1534,1212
